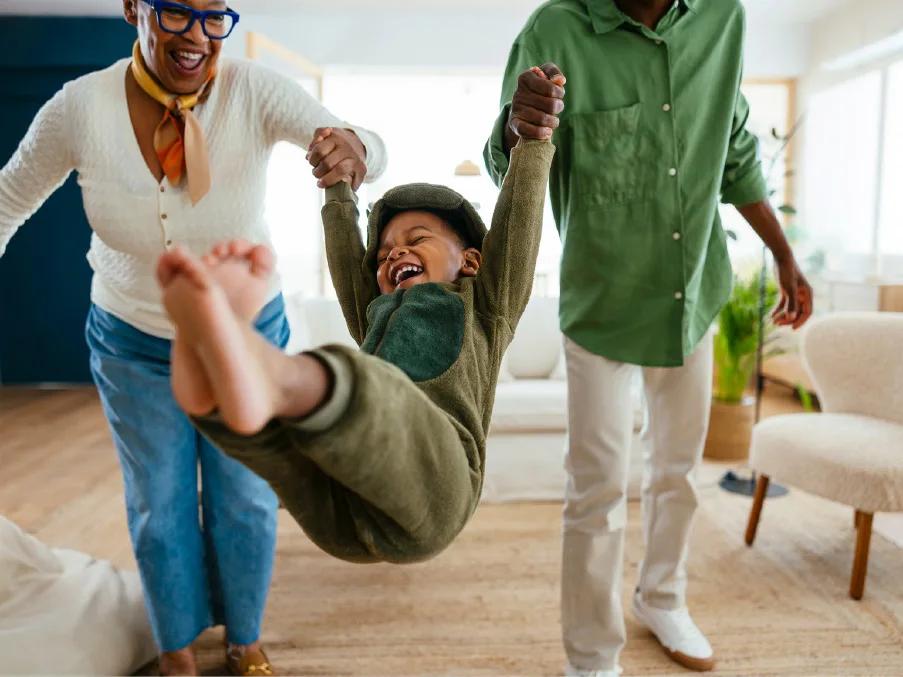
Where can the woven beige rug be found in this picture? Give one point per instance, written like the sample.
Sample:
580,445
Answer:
489,605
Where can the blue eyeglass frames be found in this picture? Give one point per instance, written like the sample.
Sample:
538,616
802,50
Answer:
178,19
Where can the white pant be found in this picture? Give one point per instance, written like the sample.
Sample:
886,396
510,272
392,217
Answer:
600,423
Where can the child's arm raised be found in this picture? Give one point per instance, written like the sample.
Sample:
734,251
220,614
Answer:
345,256
512,244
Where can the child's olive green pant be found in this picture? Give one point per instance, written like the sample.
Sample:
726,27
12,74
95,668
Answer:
392,478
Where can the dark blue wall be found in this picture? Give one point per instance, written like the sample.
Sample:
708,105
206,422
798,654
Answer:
44,277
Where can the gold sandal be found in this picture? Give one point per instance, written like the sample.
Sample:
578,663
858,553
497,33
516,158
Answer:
248,663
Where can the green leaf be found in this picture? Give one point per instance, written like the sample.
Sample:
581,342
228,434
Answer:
805,398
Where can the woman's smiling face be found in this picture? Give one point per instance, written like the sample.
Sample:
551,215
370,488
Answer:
181,63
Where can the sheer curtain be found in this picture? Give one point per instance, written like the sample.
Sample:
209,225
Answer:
841,172
890,235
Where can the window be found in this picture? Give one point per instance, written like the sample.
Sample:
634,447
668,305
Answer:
841,171
292,211
769,109
853,207
890,238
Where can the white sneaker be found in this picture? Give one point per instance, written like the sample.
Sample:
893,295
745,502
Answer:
677,633
571,671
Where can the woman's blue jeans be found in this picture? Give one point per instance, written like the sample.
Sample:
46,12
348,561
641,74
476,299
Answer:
200,565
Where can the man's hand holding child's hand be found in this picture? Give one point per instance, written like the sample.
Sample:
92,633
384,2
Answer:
337,155
536,103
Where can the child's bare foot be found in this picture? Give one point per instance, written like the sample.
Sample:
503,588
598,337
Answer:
190,386
243,270
250,380
225,345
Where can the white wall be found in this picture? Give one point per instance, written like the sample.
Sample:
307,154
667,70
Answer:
431,37
855,25
776,50
392,37
442,33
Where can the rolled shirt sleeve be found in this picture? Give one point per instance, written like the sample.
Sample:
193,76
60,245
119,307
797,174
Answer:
743,182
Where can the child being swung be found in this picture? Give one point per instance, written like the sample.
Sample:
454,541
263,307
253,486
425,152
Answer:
378,453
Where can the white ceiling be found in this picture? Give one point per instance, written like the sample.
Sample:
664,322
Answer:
774,11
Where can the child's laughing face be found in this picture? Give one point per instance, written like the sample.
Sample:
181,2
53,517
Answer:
418,247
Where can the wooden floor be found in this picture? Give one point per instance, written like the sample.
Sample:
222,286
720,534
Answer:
489,605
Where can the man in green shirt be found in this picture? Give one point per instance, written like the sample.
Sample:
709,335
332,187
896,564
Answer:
653,134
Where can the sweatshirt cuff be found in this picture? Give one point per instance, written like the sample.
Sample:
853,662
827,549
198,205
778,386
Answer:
337,402
341,192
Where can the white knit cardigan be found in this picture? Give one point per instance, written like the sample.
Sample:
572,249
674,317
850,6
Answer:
86,127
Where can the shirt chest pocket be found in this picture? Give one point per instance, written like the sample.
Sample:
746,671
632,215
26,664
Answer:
607,156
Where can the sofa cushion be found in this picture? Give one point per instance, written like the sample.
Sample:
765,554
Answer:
534,405
315,322
560,372
853,459
537,341
526,405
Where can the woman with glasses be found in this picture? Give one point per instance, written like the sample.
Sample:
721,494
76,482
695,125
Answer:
171,148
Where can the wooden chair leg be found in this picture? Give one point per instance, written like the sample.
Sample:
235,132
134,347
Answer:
756,511
861,558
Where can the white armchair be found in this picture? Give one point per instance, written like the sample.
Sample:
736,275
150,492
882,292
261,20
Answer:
853,451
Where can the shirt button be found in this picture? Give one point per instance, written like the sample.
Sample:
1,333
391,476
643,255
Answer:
163,216
678,295
671,172
666,107
169,243
162,189
676,235
658,42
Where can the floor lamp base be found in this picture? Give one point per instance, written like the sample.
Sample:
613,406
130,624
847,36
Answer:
746,486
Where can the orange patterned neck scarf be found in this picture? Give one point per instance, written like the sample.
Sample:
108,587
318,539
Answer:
179,139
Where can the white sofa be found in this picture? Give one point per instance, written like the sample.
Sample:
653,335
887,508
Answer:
528,433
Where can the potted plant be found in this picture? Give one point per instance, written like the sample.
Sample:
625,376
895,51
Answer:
735,345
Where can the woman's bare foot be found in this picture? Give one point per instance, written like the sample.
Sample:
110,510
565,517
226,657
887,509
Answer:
179,662
243,270
251,380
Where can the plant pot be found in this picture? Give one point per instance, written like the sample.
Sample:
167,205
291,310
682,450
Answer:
730,429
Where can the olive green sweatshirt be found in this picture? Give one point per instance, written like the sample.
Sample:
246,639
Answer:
448,338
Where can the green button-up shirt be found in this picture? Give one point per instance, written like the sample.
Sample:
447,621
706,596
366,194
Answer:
653,132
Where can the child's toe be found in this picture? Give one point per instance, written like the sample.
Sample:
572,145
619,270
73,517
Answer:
262,260
240,247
